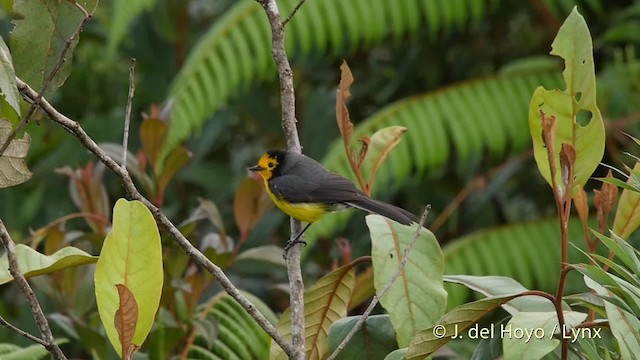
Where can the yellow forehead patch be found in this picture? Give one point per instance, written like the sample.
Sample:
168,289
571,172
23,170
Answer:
268,164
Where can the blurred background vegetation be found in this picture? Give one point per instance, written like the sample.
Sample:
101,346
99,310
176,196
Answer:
458,74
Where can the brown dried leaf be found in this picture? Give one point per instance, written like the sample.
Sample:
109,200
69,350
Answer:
176,159
13,168
126,319
607,195
153,135
342,113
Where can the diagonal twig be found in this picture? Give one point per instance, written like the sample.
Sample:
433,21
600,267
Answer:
17,330
43,325
385,288
293,12
287,103
88,143
47,81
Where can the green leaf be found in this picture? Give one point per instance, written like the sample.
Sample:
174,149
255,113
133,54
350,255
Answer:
13,168
529,335
33,263
38,39
8,86
495,286
131,255
324,303
627,217
416,299
624,325
451,325
375,339
573,44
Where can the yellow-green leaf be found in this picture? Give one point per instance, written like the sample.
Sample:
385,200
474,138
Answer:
417,298
33,263
324,303
572,107
627,217
131,255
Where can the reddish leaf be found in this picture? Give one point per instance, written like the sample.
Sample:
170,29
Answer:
605,200
153,136
342,113
567,159
248,204
126,319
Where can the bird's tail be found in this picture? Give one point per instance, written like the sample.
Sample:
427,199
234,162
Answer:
387,210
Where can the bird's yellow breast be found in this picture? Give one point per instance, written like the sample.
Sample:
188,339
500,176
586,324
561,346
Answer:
305,212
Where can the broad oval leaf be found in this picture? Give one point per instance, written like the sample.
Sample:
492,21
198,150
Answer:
249,204
374,340
131,255
324,303
573,44
33,263
416,299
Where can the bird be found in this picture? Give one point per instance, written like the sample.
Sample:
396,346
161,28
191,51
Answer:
305,190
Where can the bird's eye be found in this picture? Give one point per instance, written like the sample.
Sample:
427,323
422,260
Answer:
270,165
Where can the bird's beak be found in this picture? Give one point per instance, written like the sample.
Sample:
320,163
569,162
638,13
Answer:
256,168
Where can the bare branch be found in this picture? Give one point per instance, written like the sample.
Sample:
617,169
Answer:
87,142
43,325
48,79
293,12
17,330
385,288
288,105
127,116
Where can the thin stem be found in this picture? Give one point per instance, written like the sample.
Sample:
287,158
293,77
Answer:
48,340
385,288
17,330
88,143
127,116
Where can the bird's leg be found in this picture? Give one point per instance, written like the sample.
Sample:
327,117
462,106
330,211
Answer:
296,239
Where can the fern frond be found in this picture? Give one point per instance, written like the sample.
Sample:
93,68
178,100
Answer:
474,119
236,51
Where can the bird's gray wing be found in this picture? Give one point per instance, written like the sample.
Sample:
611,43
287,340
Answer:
329,189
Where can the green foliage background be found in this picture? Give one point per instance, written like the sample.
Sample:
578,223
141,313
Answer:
458,74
